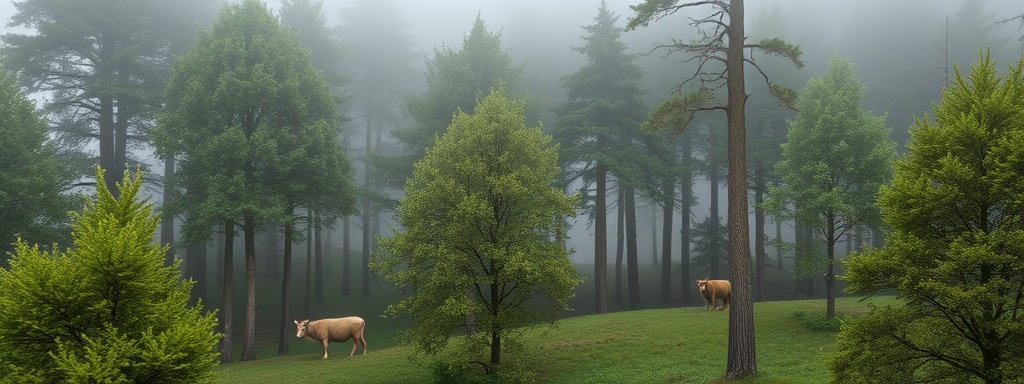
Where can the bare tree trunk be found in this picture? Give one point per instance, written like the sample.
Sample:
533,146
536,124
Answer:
654,232
619,244
742,356
601,241
686,203
366,204
778,242
286,277
226,316
633,277
308,304
715,259
669,210
249,337
195,260
760,255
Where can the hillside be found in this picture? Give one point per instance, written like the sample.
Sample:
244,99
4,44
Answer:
677,345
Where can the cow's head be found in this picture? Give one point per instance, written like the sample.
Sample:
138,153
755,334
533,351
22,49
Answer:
302,328
702,284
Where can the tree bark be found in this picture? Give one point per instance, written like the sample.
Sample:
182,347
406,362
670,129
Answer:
601,241
195,258
226,308
669,209
742,357
107,144
633,276
830,278
249,337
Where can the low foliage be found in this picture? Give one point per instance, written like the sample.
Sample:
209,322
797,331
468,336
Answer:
106,310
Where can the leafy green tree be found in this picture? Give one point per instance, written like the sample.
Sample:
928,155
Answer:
254,128
835,158
32,205
482,234
723,42
956,251
603,104
106,310
103,66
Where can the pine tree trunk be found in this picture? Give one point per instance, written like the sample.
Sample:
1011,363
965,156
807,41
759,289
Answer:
249,337
226,309
601,241
778,243
107,161
286,277
742,357
619,243
830,277
308,304
714,257
759,233
669,210
654,232
195,258
632,271
121,138
686,203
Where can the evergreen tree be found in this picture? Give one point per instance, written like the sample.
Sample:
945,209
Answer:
603,105
723,42
106,310
255,130
955,255
103,65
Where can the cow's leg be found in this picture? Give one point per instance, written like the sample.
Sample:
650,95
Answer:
355,342
324,342
363,339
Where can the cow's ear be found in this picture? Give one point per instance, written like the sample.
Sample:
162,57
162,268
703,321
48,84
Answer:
296,322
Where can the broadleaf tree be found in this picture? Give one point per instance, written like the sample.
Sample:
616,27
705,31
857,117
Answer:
955,253
482,235
723,42
835,158
254,128
107,309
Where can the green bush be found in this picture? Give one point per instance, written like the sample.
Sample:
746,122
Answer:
817,322
106,310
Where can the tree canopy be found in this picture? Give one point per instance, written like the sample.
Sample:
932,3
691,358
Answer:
481,237
106,310
955,255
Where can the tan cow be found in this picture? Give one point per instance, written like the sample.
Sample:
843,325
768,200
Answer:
714,290
338,330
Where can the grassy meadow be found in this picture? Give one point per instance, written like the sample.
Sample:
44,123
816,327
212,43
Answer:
672,345
663,342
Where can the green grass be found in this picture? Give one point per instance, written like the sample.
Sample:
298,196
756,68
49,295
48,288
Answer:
674,345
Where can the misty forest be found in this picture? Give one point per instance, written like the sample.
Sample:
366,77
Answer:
611,191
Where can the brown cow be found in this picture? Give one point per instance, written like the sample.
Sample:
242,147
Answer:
714,290
338,330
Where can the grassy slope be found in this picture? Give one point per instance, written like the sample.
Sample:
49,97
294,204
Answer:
677,345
